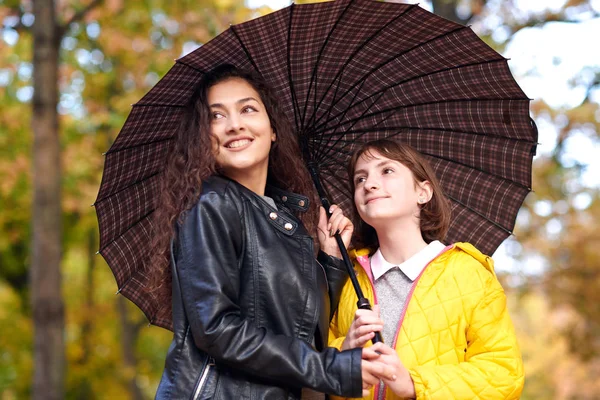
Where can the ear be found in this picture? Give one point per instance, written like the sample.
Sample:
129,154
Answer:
273,136
424,192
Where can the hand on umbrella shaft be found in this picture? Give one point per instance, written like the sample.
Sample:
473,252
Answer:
363,329
327,228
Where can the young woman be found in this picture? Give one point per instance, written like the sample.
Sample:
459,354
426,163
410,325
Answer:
250,303
441,311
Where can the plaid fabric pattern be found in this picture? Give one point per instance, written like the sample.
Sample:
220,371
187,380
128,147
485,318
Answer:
346,72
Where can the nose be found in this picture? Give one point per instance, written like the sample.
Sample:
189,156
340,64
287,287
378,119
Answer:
234,123
372,183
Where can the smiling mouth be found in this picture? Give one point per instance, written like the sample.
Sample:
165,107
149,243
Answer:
238,143
374,199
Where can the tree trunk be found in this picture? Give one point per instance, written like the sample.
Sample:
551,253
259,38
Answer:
47,303
129,333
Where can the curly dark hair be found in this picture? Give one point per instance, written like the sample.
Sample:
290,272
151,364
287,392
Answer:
191,160
435,214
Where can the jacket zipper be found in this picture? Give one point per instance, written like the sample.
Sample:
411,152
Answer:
315,289
408,299
370,279
209,363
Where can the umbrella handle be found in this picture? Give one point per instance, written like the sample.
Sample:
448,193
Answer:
363,302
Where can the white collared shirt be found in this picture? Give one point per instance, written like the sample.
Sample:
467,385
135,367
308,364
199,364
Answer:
411,267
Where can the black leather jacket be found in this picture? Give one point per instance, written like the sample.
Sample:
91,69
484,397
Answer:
248,301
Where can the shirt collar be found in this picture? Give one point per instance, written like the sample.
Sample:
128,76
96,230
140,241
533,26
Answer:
412,267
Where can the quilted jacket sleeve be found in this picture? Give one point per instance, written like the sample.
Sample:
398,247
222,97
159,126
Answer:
493,366
335,337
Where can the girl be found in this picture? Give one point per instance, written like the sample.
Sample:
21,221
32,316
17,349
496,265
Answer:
250,304
441,310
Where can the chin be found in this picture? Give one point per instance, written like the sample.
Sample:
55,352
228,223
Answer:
379,217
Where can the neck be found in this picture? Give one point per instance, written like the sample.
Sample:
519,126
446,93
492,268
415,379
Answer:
399,241
255,180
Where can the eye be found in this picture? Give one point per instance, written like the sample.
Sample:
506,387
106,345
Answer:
217,115
387,171
248,109
359,179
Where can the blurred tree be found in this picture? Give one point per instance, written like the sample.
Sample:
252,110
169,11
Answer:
45,275
110,55
116,52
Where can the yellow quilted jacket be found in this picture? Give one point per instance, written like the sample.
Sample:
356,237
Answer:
456,337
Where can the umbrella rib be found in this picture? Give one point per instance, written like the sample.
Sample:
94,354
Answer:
139,104
328,151
340,150
190,66
111,151
397,56
321,137
245,49
124,231
417,128
150,319
396,84
479,214
346,144
478,170
295,104
329,179
444,101
351,57
384,63
314,73
126,187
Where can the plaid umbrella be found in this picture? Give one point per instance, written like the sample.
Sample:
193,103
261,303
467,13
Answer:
346,72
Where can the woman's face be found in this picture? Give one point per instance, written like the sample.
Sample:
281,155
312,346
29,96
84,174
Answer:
241,124
386,191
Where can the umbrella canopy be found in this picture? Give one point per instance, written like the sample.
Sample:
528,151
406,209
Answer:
346,72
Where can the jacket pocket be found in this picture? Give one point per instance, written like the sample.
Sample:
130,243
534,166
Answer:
202,384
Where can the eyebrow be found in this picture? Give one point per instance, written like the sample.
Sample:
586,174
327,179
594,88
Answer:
379,165
240,101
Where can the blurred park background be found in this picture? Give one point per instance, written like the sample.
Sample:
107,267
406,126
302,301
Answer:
97,57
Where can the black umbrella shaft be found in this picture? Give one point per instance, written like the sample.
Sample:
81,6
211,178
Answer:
363,302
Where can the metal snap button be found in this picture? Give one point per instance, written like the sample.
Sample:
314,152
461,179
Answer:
301,203
288,226
273,216
283,198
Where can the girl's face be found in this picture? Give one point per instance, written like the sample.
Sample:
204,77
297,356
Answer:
241,124
386,190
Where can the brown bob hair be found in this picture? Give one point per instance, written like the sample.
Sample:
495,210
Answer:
435,214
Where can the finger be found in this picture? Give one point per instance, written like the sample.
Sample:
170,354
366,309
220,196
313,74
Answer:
363,340
367,377
381,370
366,330
368,317
342,225
333,207
373,370
322,219
365,313
337,222
383,348
369,354
376,309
